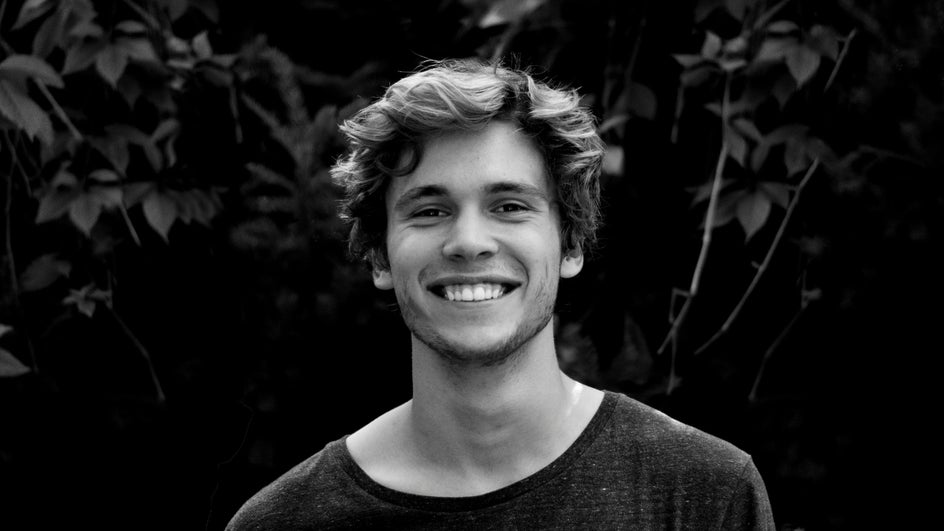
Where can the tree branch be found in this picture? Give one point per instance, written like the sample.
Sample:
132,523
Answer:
752,396
159,391
763,266
840,59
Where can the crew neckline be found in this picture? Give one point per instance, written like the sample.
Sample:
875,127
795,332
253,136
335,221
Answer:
465,503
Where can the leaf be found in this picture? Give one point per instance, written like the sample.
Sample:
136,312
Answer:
735,46
730,65
208,8
30,67
86,29
107,196
81,55
111,63
43,271
104,176
5,329
31,10
160,212
134,192
759,156
787,132
154,156
49,35
138,49
783,27
803,63
115,149
201,46
737,8
24,113
748,128
131,27
508,12
824,40
712,46
704,8
752,213
688,60
778,193
696,76
613,121
794,156
727,208
54,204
176,7
613,160
642,101
783,89
737,146
84,212
10,367
164,128
775,49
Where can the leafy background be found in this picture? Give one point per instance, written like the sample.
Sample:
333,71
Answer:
179,323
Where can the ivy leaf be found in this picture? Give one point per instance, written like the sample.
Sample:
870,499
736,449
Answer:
49,35
106,196
201,46
613,160
54,204
134,192
27,66
787,132
696,76
508,11
642,101
747,127
10,367
778,193
139,49
111,63
752,213
160,212
31,10
794,156
131,27
737,8
24,113
783,27
176,7
208,8
84,212
43,271
825,41
81,55
5,329
775,49
104,176
688,60
803,63
727,208
759,156
737,146
712,46
783,88
86,29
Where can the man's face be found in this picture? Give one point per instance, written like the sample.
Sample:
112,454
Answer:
473,241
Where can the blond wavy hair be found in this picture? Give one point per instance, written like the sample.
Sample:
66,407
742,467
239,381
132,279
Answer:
385,140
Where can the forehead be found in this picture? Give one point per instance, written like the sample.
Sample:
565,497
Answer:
471,161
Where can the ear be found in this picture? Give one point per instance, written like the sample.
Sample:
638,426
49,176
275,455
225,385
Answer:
382,278
571,263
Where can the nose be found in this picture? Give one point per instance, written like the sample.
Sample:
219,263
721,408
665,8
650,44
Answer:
470,238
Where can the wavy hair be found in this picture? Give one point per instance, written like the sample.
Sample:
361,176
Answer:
385,141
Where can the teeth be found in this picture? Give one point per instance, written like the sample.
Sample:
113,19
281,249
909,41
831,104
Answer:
473,292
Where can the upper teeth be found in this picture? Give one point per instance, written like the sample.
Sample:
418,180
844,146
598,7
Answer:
473,292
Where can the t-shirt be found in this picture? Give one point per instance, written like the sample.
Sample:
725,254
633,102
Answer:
632,467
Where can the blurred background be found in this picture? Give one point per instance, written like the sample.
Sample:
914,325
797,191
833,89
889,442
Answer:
179,322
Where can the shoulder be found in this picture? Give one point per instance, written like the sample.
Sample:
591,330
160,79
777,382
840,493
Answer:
295,496
650,433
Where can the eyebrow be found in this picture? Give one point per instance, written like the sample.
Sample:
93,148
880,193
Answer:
433,190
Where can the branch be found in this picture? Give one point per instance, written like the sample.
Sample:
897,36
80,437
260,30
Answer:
159,391
763,266
840,59
59,112
752,396
709,220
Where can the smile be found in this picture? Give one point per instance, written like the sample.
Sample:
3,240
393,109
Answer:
472,292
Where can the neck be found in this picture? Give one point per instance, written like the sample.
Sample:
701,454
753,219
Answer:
515,417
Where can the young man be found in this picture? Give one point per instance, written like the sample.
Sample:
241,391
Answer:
472,189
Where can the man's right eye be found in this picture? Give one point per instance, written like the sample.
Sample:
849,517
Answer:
429,213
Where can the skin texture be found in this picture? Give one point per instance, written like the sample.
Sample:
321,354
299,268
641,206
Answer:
478,206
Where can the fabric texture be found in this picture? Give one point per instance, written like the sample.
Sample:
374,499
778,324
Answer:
633,467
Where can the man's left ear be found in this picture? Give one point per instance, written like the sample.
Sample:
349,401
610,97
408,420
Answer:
571,263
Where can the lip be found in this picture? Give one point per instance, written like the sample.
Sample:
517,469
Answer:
437,286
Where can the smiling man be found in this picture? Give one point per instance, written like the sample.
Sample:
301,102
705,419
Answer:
471,191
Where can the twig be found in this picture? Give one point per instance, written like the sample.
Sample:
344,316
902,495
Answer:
709,219
219,465
159,391
840,59
763,266
134,233
59,112
143,14
752,396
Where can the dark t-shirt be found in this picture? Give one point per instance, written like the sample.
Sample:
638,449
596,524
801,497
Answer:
632,468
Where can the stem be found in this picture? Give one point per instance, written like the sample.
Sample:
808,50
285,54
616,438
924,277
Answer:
59,112
219,465
709,219
143,14
159,391
791,208
134,233
752,396
840,59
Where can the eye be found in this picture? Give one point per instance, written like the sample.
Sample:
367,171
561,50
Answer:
429,213
511,208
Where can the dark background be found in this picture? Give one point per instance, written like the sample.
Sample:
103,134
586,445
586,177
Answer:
267,342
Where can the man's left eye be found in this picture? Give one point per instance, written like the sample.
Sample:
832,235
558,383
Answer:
428,213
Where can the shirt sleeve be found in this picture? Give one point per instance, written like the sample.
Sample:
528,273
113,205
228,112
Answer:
749,508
